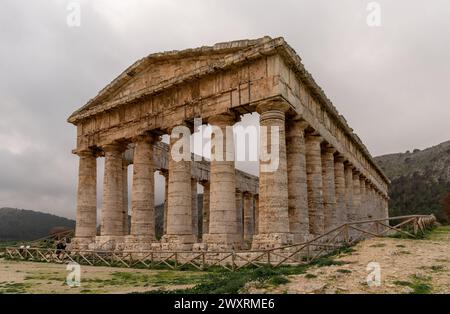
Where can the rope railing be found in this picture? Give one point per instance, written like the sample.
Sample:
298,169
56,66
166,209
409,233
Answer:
295,254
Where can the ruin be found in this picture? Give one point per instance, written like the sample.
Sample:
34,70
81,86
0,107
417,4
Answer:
325,176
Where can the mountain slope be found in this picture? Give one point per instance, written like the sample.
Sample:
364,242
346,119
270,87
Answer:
420,180
21,225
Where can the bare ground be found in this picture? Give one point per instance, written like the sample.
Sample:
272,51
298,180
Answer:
407,266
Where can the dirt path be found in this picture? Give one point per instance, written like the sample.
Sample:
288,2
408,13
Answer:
407,266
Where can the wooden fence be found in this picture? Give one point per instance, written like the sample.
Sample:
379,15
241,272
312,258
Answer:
300,253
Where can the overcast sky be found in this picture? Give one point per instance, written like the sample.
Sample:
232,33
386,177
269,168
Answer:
391,82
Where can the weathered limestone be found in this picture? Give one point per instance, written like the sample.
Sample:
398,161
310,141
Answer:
249,219
86,228
206,195
125,196
223,230
179,234
349,191
329,194
354,216
195,228
363,196
166,198
308,192
273,218
112,210
315,184
297,187
142,232
257,214
339,180
240,214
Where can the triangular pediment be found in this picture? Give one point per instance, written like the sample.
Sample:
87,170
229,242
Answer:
159,68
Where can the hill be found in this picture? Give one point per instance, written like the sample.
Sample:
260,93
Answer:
420,181
24,225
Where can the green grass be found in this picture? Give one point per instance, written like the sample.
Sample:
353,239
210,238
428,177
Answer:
419,285
310,276
344,271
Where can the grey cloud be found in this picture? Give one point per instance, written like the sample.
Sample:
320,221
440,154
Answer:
389,82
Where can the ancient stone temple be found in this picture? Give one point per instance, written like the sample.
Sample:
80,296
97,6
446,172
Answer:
324,177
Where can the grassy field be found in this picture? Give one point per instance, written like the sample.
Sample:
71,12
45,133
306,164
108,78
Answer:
408,266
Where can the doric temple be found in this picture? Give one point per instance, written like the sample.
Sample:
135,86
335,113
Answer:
325,176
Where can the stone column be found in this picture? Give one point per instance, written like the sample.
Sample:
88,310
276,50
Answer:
329,194
112,210
297,187
223,230
206,195
240,214
356,197
125,196
256,214
370,205
339,181
179,211
273,229
195,228
249,219
165,173
86,223
315,184
143,196
363,210
348,168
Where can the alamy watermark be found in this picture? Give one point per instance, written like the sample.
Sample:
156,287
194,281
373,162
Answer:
374,277
74,14
374,17
73,278
229,144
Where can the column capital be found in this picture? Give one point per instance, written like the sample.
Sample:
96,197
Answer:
296,126
327,148
224,119
314,137
114,147
273,105
339,158
86,153
147,137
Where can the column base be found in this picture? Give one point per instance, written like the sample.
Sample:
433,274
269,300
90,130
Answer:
222,242
81,244
109,243
265,241
138,243
176,242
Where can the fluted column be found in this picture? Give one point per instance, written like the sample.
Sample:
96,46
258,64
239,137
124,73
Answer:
256,214
240,214
356,197
339,181
112,210
179,211
206,195
370,209
273,180
348,190
297,187
86,221
223,219
329,194
195,228
315,184
125,196
143,195
249,219
165,173
363,211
